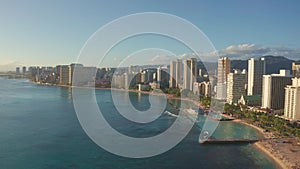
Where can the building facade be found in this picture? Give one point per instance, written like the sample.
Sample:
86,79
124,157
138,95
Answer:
223,71
64,76
17,70
172,83
296,69
24,69
190,73
292,100
256,70
273,96
236,83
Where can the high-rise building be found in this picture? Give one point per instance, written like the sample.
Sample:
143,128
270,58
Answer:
296,69
292,100
85,76
64,76
159,72
71,71
17,70
273,89
24,69
190,73
256,70
236,83
176,73
179,73
172,83
162,77
223,71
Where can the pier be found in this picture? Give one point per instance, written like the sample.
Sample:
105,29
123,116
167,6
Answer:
230,141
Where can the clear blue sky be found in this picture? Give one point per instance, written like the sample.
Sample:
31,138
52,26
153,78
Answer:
50,32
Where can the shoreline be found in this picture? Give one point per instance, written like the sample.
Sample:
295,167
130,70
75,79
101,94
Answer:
266,147
169,96
258,145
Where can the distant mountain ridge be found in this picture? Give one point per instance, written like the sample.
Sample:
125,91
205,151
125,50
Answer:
273,64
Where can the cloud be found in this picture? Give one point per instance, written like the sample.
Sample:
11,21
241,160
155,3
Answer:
234,52
162,59
246,51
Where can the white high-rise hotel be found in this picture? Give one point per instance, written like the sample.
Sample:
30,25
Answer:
292,100
256,70
223,71
236,82
273,89
189,73
176,74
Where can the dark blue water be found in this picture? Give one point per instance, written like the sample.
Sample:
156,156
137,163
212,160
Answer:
39,130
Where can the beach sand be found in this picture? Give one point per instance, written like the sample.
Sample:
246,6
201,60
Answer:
284,151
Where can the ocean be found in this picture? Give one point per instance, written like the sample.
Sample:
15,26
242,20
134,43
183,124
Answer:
39,129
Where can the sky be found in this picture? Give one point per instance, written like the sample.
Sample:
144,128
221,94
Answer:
52,32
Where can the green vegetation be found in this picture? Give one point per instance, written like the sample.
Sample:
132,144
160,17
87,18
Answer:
268,121
173,91
205,101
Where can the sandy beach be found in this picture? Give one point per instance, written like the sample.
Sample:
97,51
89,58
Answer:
284,151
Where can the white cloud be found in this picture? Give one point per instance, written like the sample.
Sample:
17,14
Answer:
246,51
162,59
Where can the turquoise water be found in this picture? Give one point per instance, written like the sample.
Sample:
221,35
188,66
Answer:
39,130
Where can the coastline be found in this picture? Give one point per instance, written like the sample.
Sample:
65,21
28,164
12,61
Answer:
282,164
169,96
263,146
260,146
277,149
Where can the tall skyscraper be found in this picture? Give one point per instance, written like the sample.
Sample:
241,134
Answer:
292,100
162,77
71,71
17,70
66,73
223,71
159,79
64,77
172,83
190,73
179,73
176,69
24,69
273,89
256,70
236,83
296,69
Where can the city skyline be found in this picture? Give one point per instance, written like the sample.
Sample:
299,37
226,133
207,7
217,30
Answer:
150,84
46,34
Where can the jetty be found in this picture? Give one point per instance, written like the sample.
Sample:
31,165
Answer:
230,141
